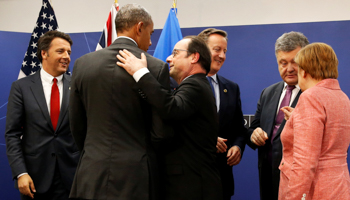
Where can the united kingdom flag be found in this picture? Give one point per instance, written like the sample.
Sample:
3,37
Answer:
109,33
46,22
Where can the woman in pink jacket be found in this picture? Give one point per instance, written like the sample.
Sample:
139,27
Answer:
316,137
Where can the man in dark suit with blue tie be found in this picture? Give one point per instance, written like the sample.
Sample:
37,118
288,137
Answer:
230,142
40,148
264,132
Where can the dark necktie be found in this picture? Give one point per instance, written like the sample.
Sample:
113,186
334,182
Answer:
210,79
280,115
54,104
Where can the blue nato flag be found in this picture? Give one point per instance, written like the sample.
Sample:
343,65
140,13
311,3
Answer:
170,35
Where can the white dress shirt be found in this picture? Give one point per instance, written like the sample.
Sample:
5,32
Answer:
47,81
295,92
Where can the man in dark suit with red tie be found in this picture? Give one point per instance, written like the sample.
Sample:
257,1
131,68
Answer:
264,132
40,148
231,137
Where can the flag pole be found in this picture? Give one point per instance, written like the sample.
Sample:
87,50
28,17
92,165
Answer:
174,6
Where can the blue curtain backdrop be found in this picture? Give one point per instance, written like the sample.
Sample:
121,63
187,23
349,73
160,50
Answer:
250,62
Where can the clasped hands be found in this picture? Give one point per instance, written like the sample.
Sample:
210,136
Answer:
233,154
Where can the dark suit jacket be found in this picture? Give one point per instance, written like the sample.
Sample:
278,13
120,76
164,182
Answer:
41,148
190,171
111,124
231,127
265,119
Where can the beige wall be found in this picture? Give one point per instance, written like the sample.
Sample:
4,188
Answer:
90,15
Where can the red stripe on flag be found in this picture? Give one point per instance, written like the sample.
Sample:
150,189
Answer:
109,29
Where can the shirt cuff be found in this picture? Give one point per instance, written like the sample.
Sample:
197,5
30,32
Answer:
139,73
21,175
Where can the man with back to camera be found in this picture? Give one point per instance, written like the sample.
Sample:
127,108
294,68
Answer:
231,140
264,132
110,123
190,171
40,148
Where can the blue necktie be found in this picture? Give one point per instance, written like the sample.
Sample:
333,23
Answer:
210,79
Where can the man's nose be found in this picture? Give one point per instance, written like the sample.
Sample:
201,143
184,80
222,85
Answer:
169,59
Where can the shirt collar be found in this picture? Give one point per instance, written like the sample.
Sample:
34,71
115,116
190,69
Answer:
285,86
48,78
127,38
215,78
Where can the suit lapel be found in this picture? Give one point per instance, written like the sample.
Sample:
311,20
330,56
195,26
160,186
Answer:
223,96
273,107
65,100
295,101
38,93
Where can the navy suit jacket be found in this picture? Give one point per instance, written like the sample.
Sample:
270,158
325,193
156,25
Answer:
265,119
231,127
32,144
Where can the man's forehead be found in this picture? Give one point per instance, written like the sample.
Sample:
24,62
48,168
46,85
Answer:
182,44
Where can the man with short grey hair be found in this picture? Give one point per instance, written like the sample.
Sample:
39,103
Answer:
264,132
110,123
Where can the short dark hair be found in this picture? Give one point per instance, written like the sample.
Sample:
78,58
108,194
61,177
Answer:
131,14
198,45
209,31
45,40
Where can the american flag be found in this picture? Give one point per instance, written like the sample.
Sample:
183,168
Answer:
109,34
46,22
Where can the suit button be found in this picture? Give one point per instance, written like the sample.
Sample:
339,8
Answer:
53,154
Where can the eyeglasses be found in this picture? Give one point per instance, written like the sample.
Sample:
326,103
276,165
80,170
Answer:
176,51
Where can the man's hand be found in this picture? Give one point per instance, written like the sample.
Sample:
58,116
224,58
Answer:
234,156
259,137
287,112
26,185
130,63
221,145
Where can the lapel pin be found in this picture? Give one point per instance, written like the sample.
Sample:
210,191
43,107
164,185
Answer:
225,90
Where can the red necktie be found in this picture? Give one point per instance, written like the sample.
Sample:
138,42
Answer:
54,104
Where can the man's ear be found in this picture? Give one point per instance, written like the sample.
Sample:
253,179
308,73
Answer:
195,57
44,54
139,27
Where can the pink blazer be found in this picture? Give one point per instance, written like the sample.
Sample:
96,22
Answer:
315,142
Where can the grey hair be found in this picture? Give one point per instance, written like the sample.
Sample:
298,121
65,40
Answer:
131,14
290,41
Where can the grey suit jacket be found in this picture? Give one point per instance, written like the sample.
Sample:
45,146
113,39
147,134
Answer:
112,125
41,148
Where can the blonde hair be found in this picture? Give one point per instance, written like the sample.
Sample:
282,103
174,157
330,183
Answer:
319,60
